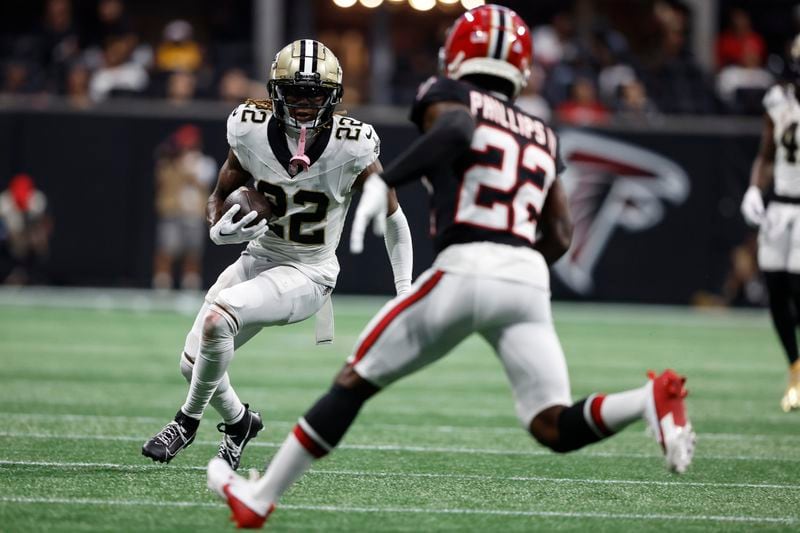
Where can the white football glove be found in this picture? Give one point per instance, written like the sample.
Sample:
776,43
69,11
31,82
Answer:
753,206
371,207
225,231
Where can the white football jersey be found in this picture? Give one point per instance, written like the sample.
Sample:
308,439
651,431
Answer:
310,207
784,110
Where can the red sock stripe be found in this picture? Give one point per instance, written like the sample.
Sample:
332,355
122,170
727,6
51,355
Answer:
401,306
308,443
597,402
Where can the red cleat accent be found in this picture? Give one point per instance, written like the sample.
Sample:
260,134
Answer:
245,517
665,412
668,394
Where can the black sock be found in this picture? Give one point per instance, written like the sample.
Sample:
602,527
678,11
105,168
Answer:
333,414
781,307
242,425
187,421
574,431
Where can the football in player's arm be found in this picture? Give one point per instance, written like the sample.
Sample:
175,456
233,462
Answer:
779,223
500,215
308,162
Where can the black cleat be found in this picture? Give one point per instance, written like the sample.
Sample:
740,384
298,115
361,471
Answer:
172,438
236,436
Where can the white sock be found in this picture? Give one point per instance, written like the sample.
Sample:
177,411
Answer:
227,402
224,400
216,353
622,408
291,462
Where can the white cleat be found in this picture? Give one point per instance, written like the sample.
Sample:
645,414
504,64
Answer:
237,491
665,412
219,474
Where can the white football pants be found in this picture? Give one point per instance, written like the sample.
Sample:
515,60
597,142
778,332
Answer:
779,239
443,308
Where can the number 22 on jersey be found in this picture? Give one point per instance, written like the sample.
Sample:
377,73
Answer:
523,176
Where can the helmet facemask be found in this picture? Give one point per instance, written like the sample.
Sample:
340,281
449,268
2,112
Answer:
305,101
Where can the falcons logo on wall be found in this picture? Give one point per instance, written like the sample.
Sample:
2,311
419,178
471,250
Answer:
610,185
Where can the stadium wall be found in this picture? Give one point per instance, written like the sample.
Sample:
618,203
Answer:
656,206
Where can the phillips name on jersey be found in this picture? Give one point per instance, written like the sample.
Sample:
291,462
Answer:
495,191
310,207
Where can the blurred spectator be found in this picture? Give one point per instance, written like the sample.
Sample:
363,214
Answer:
555,42
60,44
609,51
112,24
743,284
414,61
676,83
530,100
111,21
78,86
353,52
181,87
583,108
118,75
184,176
742,86
557,49
633,104
739,39
20,77
178,51
235,87
26,228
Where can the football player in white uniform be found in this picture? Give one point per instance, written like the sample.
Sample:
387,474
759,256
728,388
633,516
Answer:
500,216
778,160
307,161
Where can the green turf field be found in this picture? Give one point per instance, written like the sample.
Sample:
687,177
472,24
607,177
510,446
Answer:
81,390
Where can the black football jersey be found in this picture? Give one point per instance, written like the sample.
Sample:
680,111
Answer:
494,191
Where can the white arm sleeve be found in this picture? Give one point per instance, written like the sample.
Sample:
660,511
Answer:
398,245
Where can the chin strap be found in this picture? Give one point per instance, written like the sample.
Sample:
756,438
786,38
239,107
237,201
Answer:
300,161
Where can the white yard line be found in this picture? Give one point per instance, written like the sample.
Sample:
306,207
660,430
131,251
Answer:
411,449
416,510
146,301
742,437
425,475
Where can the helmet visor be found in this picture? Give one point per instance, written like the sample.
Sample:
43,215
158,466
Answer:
304,104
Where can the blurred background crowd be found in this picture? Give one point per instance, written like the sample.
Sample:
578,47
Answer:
106,99
595,59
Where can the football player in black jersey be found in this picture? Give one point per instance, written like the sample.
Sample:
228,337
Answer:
500,217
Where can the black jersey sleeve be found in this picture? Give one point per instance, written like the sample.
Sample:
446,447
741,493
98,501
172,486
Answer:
437,89
560,166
